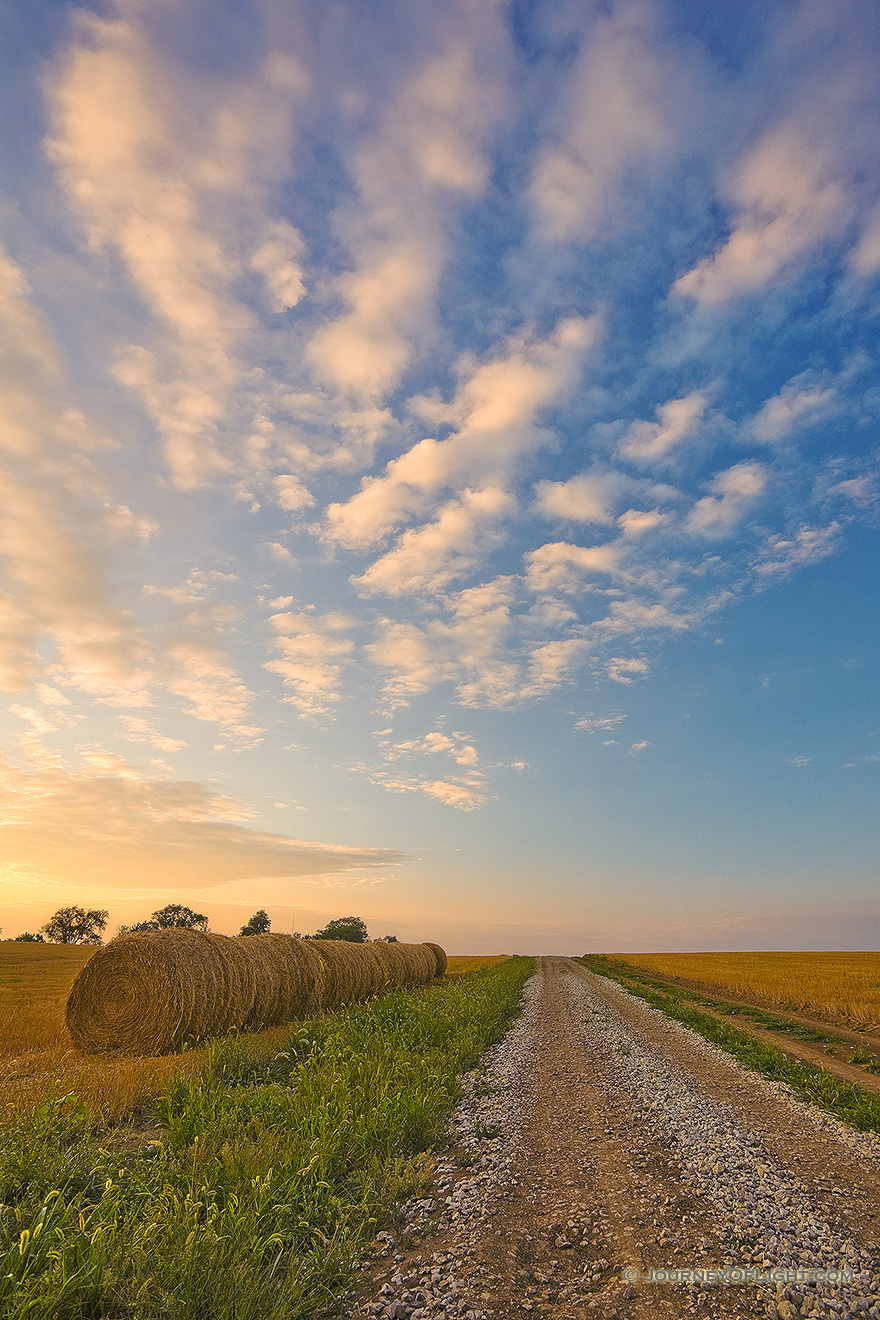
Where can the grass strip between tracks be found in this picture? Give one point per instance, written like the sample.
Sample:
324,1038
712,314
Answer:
268,1180
846,1100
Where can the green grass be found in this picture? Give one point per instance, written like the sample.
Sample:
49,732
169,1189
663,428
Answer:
269,1181
859,1108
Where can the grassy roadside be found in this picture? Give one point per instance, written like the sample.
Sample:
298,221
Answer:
859,1108
268,1180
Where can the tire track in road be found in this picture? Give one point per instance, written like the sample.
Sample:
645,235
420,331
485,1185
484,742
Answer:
769,1215
575,1188
596,1193
600,1136
839,1167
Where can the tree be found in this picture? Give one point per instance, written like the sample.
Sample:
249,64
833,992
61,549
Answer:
391,939
76,925
173,916
29,937
258,924
352,929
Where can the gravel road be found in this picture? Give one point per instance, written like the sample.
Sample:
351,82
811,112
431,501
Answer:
599,1139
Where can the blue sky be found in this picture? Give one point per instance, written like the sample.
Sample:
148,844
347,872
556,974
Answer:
440,468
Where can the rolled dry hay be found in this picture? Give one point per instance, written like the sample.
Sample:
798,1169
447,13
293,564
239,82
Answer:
150,992
440,955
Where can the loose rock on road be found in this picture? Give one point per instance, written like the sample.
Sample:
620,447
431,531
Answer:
600,1139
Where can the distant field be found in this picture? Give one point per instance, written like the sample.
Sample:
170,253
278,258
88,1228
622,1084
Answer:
473,963
35,980
838,987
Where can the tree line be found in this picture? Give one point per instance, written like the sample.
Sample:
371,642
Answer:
78,925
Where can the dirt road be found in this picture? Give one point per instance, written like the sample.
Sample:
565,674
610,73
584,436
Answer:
603,1140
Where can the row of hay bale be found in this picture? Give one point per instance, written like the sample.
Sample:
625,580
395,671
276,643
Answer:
150,992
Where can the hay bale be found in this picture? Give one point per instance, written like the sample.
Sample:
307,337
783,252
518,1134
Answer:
442,961
343,971
150,992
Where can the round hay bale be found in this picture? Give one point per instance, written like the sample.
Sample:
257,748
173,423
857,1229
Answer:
147,993
265,958
337,974
440,957
312,978
391,964
236,996
150,992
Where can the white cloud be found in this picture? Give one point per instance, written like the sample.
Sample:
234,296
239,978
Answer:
467,648
494,411
589,497
679,419
788,193
455,745
111,826
199,671
313,650
861,490
561,566
636,616
60,529
464,792
783,554
553,664
136,729
591,723
636,522
628,97
279,261
733,492
428,155
426,559
291,494
171,172
51,696
797,404
625,669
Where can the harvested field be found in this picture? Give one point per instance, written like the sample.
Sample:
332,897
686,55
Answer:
836,987
35,980
459,964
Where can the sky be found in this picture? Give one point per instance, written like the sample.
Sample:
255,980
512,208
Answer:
439,456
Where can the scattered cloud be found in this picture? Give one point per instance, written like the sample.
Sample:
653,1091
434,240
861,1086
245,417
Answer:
733,492
112,826
172,173
313,650
628,96
797,405
783,554
625,669
494,417
591,723
427,157
678,421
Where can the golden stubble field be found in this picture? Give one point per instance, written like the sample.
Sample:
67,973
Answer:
36,1051
837,987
